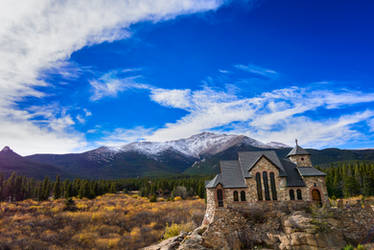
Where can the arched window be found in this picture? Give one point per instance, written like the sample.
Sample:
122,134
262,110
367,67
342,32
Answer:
266,185
259,187
273,187
220,197
242,196
299,196
236,196
292,194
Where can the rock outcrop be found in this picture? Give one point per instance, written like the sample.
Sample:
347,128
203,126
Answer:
284,227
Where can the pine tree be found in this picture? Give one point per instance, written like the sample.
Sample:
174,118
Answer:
68,190
57,188
112,188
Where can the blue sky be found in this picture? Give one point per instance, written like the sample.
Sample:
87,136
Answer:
82,75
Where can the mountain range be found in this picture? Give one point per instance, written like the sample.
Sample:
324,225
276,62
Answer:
198,154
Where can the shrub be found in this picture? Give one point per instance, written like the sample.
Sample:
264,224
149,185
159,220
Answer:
153,198
180,191
70,205
176,229
177,198
254,214
349,247
360,247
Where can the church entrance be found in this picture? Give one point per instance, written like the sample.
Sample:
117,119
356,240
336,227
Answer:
220,197
316,197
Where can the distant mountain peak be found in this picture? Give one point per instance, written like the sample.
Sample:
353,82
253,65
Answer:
6,149
8,153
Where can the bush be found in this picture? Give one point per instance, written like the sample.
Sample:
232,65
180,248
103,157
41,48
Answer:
153,198
349,247
180,191
178,198
70,205
176,229
254,214
360,247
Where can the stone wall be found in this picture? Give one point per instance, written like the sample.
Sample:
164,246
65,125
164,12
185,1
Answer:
304,193
301,160
229,196
210,205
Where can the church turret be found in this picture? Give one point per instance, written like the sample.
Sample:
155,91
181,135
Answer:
300,156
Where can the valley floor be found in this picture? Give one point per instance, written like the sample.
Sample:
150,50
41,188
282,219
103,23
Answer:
116,221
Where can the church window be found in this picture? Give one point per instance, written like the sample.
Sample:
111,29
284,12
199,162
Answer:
266,185
259,187
299,195
292,194
242,196
273,187
236,196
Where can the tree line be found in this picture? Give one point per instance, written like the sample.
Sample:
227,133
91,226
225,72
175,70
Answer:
16,188
347,179
344,179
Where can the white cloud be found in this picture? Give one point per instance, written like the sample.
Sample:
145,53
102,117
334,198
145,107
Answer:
223,71
175,98
37,35
258,71
109,86
371,125
119,136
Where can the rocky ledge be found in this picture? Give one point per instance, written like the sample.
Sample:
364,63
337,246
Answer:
296,227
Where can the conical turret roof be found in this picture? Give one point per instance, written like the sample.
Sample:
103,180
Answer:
297,150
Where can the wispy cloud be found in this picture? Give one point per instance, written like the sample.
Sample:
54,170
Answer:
119,136
223,71
257,71
37,35
109,85
371,125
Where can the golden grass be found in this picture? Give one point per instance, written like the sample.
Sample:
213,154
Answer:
115,221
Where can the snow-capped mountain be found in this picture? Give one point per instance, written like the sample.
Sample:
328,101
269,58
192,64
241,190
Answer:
205,143
151,158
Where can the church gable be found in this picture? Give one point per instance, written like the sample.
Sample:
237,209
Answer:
264,164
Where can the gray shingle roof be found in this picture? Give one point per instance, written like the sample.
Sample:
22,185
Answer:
293,177
249,159
297,150
310,171
232,176
214,182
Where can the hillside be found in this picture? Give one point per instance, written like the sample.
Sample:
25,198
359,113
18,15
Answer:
13,162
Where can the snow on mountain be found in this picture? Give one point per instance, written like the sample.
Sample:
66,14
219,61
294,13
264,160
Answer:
103,154
274,144
195,146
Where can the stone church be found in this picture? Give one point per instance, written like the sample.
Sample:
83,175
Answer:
261,176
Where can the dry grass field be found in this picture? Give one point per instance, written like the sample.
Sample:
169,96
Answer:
112,221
